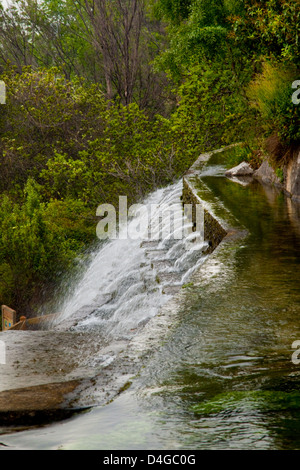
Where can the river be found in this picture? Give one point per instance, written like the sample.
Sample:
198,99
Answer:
223,378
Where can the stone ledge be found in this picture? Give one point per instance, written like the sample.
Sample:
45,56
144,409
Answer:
213,230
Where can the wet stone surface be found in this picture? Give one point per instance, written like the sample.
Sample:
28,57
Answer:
47,371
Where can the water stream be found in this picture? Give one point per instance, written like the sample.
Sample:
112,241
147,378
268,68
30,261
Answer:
224,376
130,279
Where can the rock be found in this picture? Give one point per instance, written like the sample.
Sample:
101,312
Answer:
37,405
290,184
243,169
266,174
293,176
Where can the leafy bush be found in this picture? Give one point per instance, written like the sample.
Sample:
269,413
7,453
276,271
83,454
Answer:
245,152
45,113
211,111
38,242
271,94
76,144
272,27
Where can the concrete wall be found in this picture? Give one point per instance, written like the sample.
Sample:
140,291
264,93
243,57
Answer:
213,230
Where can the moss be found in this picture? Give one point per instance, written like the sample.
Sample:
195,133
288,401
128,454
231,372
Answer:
280,175
261,400
125,387
189,284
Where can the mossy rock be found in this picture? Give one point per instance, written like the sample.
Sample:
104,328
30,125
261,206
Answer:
243,401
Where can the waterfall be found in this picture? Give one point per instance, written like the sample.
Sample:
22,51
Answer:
129,280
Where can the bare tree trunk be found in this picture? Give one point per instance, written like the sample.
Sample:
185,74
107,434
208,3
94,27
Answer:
117,26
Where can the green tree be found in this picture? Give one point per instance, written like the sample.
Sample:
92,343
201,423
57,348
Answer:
271,28
64,150
108,42
228,41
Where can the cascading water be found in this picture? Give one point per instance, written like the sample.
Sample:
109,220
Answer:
129,279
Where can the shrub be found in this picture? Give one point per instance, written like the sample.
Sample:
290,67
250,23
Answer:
271,94
38,242
211,112
245,152
65,135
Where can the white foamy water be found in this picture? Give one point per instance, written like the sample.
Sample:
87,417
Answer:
127,283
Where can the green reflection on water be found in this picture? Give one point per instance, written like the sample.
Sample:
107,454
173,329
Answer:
262,400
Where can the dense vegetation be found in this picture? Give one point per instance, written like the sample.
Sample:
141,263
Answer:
118,97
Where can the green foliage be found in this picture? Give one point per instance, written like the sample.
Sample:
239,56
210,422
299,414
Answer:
236,37
130,156
279,174
245,152
48,112
37,243
77,144
271,93
173,10
273,27
45,34
64,151
210,114
204,35
238,155
105,43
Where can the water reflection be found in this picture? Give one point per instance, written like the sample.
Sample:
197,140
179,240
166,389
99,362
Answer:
237,331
